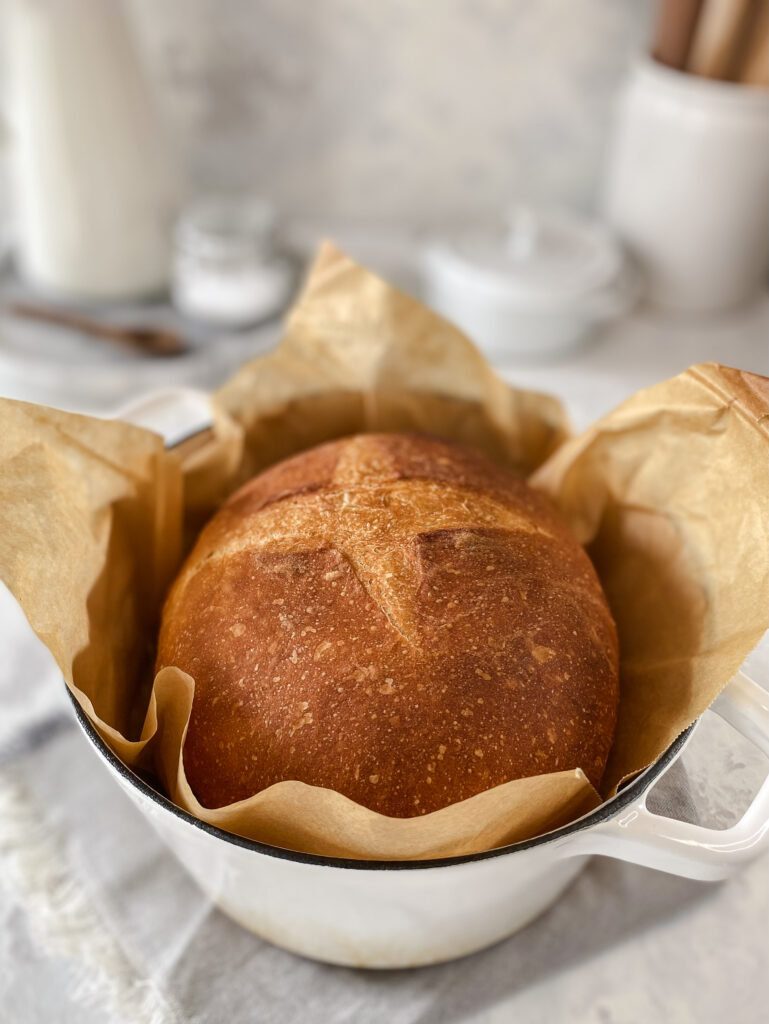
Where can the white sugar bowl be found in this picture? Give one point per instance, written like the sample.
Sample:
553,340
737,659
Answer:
536,289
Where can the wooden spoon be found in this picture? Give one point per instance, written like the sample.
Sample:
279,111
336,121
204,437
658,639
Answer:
152,341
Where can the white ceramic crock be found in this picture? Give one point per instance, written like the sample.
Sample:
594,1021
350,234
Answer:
410,913
687,186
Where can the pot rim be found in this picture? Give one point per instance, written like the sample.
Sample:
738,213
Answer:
608,809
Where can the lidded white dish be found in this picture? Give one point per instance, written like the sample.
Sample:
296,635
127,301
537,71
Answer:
535,288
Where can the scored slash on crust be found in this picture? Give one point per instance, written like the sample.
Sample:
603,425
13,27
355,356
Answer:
373,528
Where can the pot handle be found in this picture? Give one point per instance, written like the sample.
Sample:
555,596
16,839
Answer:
176,413
677,847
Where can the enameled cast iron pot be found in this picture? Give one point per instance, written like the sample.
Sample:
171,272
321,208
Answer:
409,913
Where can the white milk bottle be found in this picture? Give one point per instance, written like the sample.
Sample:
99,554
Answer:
91,168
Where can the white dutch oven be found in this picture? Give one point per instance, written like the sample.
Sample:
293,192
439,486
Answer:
410,913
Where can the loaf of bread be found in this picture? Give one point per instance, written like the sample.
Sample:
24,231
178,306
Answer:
395,618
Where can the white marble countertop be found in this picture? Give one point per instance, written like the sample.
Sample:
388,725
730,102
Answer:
623,946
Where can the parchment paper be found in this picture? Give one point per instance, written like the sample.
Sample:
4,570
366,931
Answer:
670,493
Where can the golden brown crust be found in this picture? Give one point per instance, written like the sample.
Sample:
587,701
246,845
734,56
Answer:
395,618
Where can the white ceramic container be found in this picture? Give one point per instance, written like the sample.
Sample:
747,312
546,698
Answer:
93,174
687,186
534,290
410,913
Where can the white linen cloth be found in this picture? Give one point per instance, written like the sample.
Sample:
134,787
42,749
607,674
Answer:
98,922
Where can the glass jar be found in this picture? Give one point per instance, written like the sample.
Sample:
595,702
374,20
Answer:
226,269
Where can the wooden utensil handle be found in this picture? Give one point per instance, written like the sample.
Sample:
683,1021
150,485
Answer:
153,341
673,32
71,320
718,37
753,68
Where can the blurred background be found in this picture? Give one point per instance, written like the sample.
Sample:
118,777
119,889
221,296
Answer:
428,115
584,188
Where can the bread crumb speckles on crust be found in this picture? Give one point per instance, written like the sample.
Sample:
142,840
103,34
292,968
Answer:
395,618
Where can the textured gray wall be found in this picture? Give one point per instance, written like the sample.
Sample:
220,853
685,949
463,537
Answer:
426,111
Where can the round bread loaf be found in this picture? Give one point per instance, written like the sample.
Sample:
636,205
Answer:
395,618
